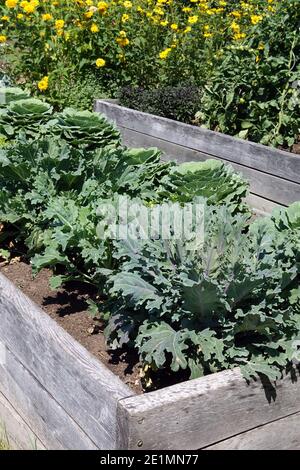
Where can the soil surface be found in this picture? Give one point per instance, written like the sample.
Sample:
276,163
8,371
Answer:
69,308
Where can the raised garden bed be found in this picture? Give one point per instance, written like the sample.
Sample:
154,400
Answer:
56,395
274,175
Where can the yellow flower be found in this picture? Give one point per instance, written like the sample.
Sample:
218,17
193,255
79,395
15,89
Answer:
102,7
89,14
59,24
122,41
207,35
164,23
238,36
5,18
3,38
159,11
47,17
127,4
43,83
94,28
11,3
125,18
100,63
256,19
164,54
236,14
192,19
174,26
235,27
29,7
188,29
20,16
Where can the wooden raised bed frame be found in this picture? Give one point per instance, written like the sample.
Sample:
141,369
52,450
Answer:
274,175
54,394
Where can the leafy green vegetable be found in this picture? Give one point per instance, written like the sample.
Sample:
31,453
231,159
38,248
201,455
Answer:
231,300
85,129
210,300
9,94
51,193
211,179
27,116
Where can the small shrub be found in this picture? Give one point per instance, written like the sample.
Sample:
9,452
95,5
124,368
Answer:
179,103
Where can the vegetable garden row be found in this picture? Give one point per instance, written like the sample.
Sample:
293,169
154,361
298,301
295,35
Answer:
232,299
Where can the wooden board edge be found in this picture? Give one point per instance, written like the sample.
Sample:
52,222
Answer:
49,324
267,188
15,433
282,434
262,153
201,412
93,401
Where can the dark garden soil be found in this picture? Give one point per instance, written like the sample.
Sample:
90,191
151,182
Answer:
68,307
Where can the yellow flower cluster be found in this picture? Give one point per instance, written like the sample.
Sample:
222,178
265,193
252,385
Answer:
29,6
107,28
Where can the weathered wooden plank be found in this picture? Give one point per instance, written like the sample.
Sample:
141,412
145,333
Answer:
261,206
14,430
50,422
246,153
132,138
264,185
81,385
283,434
201,412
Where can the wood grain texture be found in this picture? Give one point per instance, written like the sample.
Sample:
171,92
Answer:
81,386
50,422
257,156
201,412
14,430
261,206
283,434
263,185
274,175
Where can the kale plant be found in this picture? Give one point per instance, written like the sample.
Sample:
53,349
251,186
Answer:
204,305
